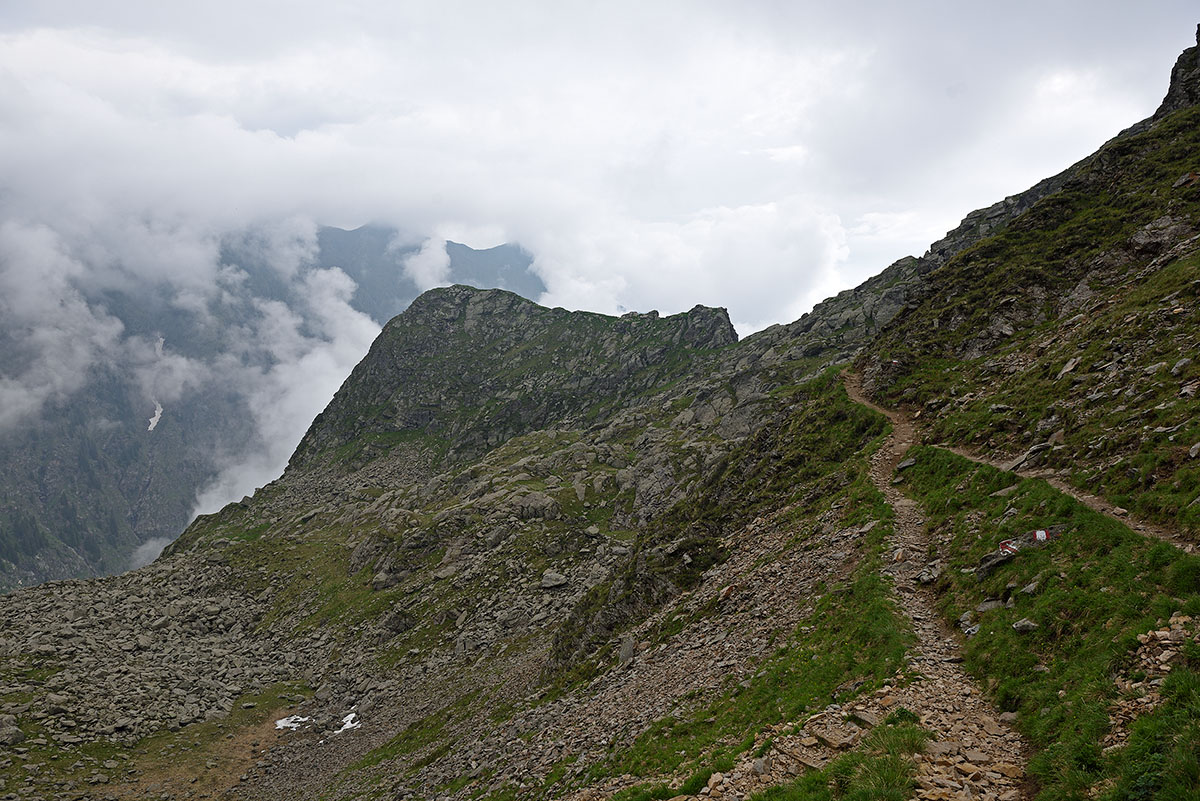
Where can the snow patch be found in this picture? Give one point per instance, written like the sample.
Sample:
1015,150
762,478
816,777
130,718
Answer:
291,722
350,721
158,410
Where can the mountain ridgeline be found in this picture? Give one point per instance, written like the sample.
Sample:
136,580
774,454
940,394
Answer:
84,484
936,539
472,370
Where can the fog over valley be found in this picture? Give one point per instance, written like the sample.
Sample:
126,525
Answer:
173,190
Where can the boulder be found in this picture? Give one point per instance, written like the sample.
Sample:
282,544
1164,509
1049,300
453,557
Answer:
383,581
551,580
628,649
536,505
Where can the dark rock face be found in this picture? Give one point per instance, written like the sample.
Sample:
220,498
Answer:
474,368
1185,81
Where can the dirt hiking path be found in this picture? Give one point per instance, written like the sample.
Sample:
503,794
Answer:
977,754
1093,502
974,755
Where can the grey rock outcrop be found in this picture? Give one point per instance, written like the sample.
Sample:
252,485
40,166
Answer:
1184,90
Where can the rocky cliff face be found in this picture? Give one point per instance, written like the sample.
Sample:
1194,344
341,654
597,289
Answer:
474,369
1184,90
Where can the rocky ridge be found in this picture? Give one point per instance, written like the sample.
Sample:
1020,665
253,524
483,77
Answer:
1184,90
707,579
526,367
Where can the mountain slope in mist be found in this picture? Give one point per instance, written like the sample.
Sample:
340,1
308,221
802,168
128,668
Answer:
196,394
935,539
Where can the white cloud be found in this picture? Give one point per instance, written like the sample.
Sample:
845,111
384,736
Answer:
156,129
762,261
790,154
758,156
59,336
312,349
430,265
147,552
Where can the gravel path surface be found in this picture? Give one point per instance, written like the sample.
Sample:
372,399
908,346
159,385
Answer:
977,753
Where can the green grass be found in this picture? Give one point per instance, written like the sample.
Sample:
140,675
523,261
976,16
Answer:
375,444
319,590
692,785
854,634
1098,587
881,770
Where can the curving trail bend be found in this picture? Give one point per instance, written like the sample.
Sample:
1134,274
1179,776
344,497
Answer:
1093,502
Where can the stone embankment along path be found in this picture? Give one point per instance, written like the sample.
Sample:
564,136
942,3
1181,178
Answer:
976,753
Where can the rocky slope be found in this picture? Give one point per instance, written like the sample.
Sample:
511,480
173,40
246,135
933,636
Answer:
84,483
529,553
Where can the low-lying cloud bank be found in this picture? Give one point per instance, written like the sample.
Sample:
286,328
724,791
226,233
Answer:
776,156
283,351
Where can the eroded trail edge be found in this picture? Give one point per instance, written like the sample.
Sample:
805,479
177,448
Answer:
976,753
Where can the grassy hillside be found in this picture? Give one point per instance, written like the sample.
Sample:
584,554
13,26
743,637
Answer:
1075,330
1090,594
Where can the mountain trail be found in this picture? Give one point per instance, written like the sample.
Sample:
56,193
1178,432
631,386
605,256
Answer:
1093,502
976,753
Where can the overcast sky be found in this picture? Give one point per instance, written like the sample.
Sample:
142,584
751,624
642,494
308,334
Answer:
753,155
759,156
